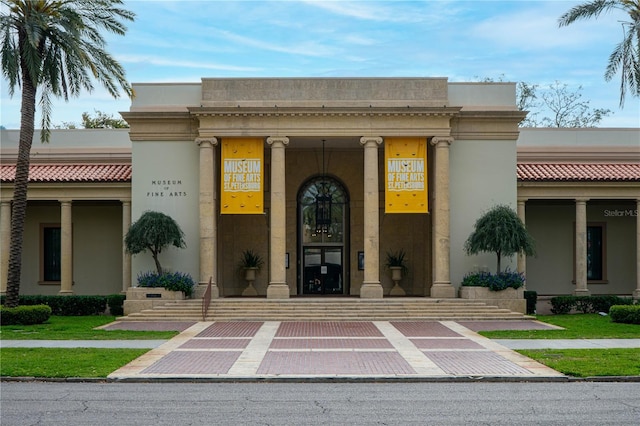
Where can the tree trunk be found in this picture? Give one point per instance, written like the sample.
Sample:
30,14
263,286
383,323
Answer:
155,259
498,253
19,207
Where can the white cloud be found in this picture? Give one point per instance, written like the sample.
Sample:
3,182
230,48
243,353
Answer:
175,63
537,29
309,48
391,11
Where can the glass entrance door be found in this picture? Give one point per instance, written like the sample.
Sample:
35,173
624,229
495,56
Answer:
323,271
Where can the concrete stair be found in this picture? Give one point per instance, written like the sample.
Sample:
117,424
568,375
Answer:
326,309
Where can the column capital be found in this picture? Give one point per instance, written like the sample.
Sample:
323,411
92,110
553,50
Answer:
581,200
437,140
212,140
65,201
370,139
275,140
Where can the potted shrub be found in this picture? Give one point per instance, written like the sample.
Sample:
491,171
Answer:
498,231
171,281
154,232
397,264
250,263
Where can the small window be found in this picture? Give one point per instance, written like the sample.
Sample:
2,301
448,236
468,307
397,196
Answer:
50,253
595,253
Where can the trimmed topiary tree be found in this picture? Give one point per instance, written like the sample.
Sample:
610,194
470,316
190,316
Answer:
500,231
154,231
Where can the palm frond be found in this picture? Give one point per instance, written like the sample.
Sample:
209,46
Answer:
60,47
625,58
592,9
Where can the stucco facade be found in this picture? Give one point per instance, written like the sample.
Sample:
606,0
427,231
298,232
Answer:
336,130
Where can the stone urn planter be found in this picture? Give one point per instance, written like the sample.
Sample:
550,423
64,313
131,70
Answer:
396,277
250,277
396,263
250,263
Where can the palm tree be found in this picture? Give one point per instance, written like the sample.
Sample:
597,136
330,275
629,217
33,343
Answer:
54,46
626,56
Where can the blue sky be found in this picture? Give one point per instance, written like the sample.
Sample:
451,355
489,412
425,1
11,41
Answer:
183,41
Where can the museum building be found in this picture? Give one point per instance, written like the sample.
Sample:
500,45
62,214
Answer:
323,178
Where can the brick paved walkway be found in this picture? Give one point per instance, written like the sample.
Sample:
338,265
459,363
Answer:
378,349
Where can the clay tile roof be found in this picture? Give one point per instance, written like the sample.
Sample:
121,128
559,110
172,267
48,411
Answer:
71,173
579,172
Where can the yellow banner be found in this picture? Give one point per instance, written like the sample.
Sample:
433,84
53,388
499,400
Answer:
242,175
406,175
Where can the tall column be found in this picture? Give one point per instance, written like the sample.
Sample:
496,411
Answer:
636,292
522,258
66,248
126,257
208,226
581,248
442,287
371,287
278,288
5,238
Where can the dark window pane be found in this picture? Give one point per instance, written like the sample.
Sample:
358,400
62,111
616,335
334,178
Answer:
594,253
51,254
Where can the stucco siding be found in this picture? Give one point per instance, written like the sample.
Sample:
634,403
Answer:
97,248
552,225
482,175
165,179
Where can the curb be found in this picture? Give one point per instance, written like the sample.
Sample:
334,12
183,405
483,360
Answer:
469,379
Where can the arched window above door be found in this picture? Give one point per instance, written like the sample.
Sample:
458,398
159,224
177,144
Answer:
322,203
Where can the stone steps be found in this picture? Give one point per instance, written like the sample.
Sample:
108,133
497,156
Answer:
325,309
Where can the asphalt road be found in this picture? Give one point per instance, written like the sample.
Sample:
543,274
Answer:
173,403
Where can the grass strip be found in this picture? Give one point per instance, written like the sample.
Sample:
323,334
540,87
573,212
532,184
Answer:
77,328
576,326
589,362
64,362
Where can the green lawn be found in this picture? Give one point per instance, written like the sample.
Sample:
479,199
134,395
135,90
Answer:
85,362
581,362
589,362
577,326
77,328
64,362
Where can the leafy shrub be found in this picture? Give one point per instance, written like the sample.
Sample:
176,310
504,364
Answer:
507,279
115,302
625,314
586,304
172,281
562,304
478,279
71,305
532,299
25,315
495,282
604,303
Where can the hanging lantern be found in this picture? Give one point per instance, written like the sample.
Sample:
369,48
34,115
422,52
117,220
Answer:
323,203
323,211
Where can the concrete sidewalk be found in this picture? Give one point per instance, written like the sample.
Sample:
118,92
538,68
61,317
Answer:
509,343
569,343
335,350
